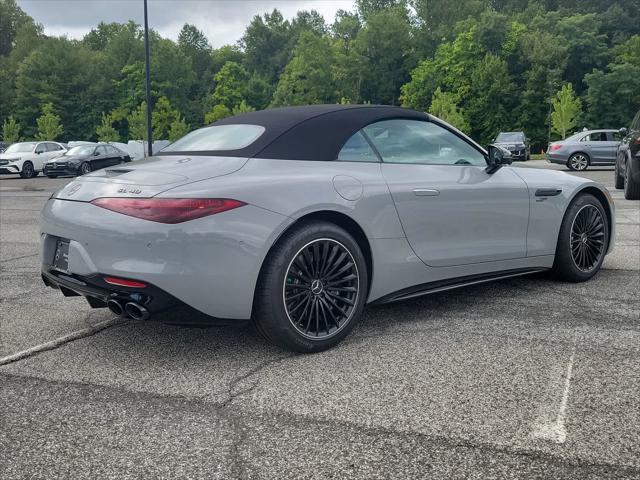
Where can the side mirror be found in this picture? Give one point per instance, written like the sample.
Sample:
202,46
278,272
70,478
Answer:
498,157
623,131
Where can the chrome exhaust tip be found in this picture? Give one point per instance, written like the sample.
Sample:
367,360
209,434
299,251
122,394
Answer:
137,312
116,307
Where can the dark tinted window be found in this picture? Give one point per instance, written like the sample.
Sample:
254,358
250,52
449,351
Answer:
413,141
596,137
357,149
53,147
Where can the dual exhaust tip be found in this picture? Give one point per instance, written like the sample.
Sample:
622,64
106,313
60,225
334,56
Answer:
131,309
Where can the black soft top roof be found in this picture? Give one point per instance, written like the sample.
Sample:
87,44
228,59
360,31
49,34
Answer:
311,132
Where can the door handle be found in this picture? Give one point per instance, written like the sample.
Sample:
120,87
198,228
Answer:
548,192
426,192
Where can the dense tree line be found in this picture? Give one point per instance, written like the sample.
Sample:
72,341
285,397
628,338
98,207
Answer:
483,65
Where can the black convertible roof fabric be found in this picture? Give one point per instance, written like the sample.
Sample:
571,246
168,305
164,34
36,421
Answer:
311,132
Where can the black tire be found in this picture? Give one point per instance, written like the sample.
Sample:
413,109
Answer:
568,264
631,186
85,168
282,274
27,170
618,180
578,162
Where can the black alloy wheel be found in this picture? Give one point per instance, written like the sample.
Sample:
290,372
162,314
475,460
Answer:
321,288
587,238
27,170
312,287
85,168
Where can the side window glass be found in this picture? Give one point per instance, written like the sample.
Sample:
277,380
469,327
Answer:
599,137
41,148
414,141
357,149
54,147
101,150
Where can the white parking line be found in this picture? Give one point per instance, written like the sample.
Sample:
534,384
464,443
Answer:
85,332
550,424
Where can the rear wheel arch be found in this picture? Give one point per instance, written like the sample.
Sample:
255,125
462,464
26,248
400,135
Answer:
341,220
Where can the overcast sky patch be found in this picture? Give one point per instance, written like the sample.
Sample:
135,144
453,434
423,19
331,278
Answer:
222,21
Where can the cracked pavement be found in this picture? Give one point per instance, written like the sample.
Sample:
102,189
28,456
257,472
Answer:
453,385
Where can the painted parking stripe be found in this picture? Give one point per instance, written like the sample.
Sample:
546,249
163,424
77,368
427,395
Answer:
58,342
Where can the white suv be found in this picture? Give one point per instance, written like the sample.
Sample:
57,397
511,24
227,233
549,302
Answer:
28,158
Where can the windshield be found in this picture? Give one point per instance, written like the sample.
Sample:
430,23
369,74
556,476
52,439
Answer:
81,150
21,147
217,137
510,137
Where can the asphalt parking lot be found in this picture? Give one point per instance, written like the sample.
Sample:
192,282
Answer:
524,378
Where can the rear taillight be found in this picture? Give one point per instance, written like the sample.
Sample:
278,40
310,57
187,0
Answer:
555,146
123,282
168,210
637,141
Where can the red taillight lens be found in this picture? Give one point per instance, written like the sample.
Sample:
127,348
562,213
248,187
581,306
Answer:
123,282
167,210
555,146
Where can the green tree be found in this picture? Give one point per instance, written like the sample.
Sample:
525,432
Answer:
444,106
179,129
218,112
567,109
164,115
613,97
10,130
137,121
105,131
231,83
307,78
242,107
49,126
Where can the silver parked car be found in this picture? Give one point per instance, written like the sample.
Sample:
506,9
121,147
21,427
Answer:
297,217
583,149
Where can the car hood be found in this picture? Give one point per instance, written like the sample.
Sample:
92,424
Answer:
149,177
13,156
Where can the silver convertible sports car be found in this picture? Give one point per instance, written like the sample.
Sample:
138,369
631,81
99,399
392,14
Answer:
298,217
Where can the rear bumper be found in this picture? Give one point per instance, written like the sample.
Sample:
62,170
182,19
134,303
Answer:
99,292
559,159
210,264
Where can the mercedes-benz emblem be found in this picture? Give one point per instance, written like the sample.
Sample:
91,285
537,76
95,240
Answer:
316,287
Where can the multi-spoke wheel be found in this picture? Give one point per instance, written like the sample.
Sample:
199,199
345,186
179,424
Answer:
85,168
321,288
578,162
28,171
583,239
312,288
587,238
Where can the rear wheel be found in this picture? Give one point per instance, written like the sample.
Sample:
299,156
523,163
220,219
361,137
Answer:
27,170
583,240
631,186
578,162
618,179
312,288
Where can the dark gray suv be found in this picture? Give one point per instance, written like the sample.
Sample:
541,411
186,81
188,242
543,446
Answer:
627,172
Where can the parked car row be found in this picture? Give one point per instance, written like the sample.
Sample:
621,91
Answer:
584,149
28,159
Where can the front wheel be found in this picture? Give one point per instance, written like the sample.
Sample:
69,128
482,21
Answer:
85,168
312,288
28,171
583,240
618,179
578,162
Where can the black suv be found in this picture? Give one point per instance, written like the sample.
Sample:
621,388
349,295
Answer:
516,142
627,172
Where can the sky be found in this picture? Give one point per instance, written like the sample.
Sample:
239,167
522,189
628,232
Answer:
222,21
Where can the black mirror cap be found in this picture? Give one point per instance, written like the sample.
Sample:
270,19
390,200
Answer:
498,157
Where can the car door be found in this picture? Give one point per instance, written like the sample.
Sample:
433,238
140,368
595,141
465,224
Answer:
100,158
600,148
453,212
114,157
39,157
